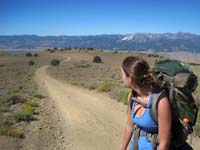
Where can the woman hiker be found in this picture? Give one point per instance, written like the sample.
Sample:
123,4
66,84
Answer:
136,76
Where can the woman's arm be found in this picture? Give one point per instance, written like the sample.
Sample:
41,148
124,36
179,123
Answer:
164,123
128,131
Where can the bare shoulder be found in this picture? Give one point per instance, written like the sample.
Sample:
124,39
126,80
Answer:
164,106
164,101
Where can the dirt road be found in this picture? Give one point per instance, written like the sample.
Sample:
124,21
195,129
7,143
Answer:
90,120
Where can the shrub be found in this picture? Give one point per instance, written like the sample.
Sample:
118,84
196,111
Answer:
97,59
16,99
28,108
51,50
27,111
105,87
28,54
152,55
32,103
92,86
40,96
11,132
90,48
55,62
31,63
35,55
23,116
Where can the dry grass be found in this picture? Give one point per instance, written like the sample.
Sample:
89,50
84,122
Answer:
18,92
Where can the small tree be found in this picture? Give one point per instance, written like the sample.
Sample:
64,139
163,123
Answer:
52,51
31,63
55,62
28,54
97,59
35,55
90,48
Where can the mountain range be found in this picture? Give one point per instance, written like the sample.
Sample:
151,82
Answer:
152,42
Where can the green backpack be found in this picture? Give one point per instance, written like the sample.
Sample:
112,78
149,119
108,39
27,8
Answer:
178,79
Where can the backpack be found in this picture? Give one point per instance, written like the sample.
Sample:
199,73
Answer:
179,82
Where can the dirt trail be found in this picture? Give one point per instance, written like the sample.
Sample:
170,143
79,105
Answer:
90,120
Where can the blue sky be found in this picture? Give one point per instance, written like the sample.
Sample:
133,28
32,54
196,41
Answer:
92,17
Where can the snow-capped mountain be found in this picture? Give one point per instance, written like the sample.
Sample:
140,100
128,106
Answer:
139,41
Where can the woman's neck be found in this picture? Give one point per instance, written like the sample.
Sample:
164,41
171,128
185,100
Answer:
142,92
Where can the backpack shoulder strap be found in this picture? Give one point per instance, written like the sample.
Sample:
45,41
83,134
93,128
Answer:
134,100
154,104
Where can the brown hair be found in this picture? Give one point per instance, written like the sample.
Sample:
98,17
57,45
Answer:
139,70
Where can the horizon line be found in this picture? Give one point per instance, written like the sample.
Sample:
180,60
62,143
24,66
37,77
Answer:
41,35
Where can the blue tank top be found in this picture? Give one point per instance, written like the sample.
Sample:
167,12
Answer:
146,123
